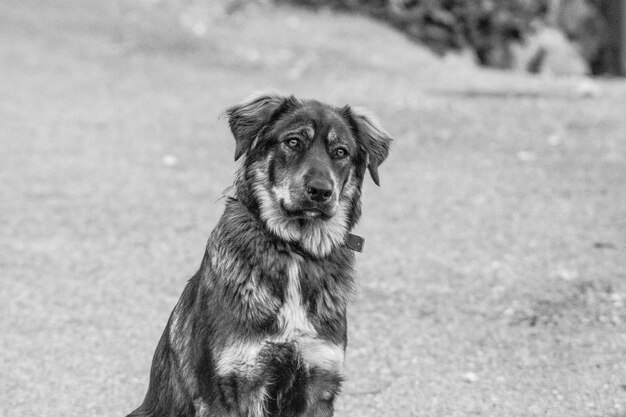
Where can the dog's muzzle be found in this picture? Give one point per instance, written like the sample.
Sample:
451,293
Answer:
313,197
309,211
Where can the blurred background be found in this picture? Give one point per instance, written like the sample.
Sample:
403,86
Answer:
493,280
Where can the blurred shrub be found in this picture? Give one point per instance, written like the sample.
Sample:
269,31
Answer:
488,27
555,36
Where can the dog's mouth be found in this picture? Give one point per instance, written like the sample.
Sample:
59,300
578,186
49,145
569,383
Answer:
306,213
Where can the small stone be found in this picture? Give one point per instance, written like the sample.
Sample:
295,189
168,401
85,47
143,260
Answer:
509,312
554,139
470,377
566,274
170,160
604,245
588,89
526,156
199,29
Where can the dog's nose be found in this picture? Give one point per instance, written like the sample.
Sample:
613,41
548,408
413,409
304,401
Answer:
319,190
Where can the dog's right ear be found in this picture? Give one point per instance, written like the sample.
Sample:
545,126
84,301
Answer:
246,120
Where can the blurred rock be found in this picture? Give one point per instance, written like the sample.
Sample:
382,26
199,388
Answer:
588,89
470,377
554,139
526,156
170,160
566,274
509,312
548,51
617,299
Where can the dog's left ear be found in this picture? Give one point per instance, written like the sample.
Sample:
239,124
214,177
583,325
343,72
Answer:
246,120
373,137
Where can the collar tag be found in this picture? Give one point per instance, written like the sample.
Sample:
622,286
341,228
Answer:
355,242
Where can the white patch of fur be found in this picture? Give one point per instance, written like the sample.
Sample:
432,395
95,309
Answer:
176,325
281,191
332,137
255,141
319,237
296,327
257,408
222,260
180,339
292,317
271,212
201,407
322,354
239,356
316,236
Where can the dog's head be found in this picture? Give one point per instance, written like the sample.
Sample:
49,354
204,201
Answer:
304,165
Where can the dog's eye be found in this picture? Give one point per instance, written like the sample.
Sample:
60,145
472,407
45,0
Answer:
341,153
293,143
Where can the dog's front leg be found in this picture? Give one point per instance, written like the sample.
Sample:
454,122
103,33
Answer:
243,397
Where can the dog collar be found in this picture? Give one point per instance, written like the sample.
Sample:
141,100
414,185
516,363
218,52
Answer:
355,242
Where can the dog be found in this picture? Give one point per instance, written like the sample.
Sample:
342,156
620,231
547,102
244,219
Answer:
260,330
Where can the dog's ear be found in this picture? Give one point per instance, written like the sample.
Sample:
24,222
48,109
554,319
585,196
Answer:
374,139
246,120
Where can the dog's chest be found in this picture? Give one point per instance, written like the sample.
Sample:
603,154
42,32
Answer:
293,319
294,328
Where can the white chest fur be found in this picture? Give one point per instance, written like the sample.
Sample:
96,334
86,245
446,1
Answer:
294,327
293,320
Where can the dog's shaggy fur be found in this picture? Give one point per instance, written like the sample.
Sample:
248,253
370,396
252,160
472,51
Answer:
260,329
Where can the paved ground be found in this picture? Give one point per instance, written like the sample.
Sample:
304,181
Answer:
494,277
